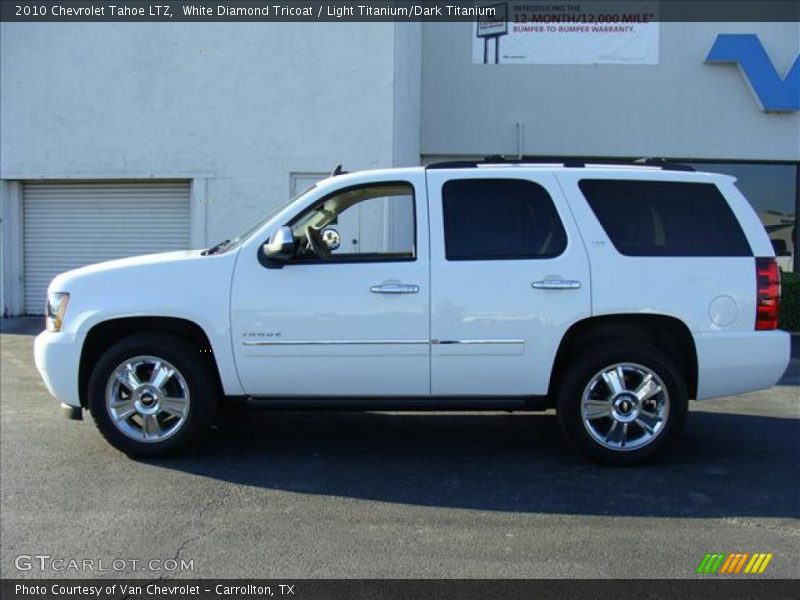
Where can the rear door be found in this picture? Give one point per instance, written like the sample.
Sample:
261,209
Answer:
509,275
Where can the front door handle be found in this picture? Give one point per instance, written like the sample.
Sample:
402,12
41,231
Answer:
556,284
394,288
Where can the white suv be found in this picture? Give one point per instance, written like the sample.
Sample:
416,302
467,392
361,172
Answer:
614,293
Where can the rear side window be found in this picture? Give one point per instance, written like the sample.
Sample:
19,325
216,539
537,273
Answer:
496,219
665,218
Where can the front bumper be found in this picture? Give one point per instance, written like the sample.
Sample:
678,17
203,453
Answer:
57,357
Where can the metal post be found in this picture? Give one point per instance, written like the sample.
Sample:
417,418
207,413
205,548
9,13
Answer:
485,49
497,49
795,233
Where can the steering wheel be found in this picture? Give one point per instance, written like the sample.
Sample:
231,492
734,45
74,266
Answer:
316,243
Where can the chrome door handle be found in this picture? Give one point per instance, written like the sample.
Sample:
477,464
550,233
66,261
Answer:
394,288
556,284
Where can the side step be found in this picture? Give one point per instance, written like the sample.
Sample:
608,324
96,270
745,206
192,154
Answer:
446,404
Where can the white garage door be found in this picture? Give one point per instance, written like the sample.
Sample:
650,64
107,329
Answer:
69,225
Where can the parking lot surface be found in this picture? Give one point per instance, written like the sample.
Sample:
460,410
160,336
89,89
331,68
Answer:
293,495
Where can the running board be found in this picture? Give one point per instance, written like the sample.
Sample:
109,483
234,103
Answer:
466,403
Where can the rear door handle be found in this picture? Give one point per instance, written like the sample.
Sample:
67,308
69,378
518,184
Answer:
394,288
556,284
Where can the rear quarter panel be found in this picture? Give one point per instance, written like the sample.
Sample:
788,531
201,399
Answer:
692,289
714,296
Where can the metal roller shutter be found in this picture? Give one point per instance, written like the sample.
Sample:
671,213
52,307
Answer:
69,225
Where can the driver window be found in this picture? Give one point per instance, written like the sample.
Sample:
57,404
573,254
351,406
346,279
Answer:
372,222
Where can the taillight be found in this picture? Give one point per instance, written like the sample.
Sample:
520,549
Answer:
768,295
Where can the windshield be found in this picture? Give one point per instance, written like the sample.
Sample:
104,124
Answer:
227,245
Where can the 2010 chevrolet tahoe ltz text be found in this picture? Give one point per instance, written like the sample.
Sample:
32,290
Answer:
614,293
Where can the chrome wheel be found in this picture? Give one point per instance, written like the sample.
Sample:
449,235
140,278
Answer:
625,406
147,399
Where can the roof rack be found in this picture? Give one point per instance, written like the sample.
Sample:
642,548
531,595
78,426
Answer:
665,164
574,163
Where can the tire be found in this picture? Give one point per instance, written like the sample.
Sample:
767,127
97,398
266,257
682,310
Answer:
175,387
609,424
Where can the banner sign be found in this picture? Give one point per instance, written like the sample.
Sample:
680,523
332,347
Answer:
495,22
587,32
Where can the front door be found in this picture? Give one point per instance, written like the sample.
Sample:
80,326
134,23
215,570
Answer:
337,321
509,275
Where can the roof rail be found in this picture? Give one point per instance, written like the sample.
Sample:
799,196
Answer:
663,163
573,163
454,164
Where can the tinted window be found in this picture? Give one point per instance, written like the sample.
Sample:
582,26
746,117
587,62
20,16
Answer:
772,191
665,218
488,219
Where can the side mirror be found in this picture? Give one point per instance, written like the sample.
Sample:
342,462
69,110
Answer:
331,238
280,247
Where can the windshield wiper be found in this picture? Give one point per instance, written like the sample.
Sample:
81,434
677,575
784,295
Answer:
216,248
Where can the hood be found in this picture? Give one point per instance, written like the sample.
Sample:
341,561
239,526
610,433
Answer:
183,284
163,261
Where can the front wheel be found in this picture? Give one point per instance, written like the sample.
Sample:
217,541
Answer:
623,403
152,395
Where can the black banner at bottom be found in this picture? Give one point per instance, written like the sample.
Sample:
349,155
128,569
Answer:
399,589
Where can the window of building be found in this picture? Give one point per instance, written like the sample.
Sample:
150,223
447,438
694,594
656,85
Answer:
496,219
665,218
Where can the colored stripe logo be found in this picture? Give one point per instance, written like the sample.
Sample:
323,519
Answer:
735,563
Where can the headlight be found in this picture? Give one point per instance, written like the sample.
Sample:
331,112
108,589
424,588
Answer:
55,309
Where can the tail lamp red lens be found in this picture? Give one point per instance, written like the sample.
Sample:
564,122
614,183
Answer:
768,295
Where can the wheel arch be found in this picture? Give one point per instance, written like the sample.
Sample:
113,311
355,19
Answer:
668,333
104,334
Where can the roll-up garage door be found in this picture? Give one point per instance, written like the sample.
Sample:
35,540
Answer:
69,225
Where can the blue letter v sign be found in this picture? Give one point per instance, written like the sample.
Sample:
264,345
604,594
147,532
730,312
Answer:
772,92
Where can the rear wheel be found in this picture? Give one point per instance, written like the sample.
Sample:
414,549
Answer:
623,403
152,395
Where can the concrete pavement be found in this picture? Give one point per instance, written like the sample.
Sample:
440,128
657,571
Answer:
395,495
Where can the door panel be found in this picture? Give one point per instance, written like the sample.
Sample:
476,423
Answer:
502,294
319,328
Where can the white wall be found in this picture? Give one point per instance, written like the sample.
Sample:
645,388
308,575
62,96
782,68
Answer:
235,106
682,107
407,93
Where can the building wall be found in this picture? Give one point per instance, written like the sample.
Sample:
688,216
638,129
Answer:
236,107
682,107
407,93
239,109
242,109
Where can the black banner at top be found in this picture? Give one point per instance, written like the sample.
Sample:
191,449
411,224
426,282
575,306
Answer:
308,11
